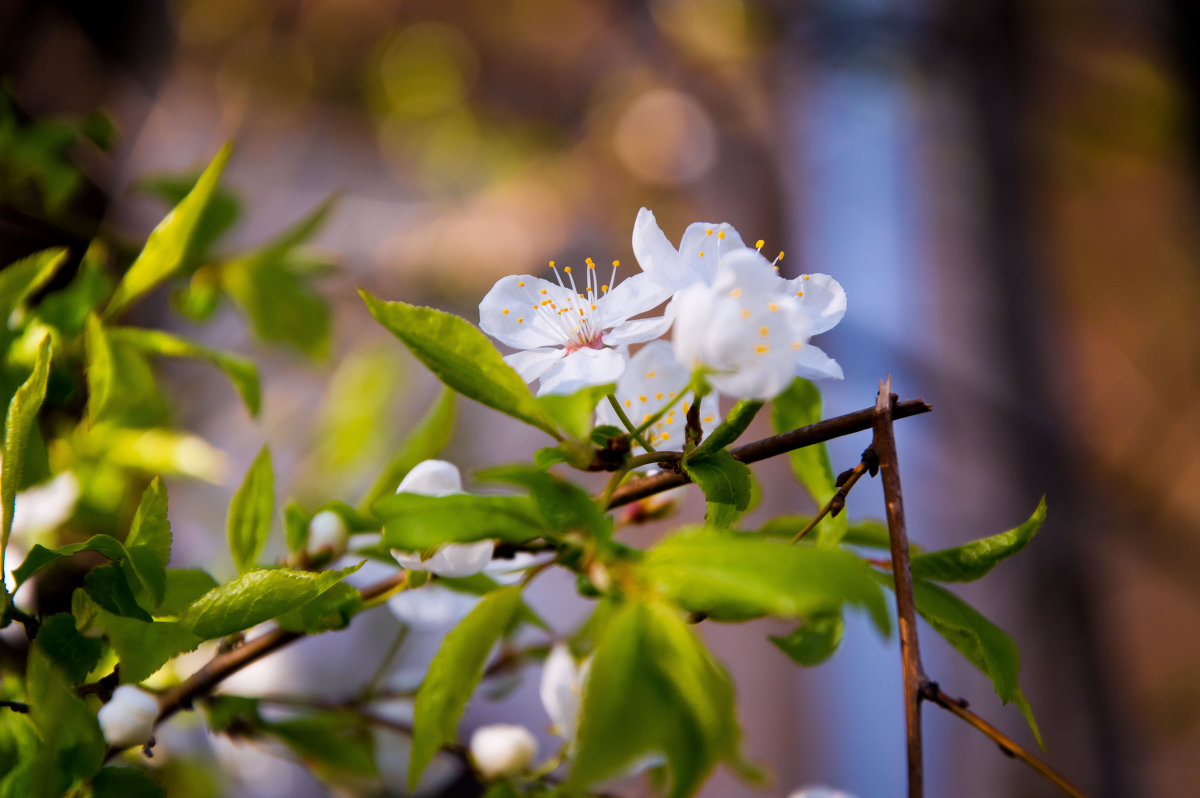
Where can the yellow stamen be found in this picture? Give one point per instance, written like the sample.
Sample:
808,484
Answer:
567,269
521,283
708,419
641,399
628,403
736,292
772,307
799,293
658,396
760,243
520,321
762,349
551,264
604,289
763,331
745,313
666,436
796,345
504,312
708,232
721,235
702,253
543,290
616,263
650,376
806,277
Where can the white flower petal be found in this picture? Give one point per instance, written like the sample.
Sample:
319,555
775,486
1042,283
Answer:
632,296
432,607
822,297
457,560
559,691
128,717
819,791
501,750
509,312
638,331
704,245
656,255
432,478
582,368
533,363
814,364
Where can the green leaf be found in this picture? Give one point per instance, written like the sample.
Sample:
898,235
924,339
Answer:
970,561
184,585
331,741
112,782
737,576
109,587
726,483
454,674
333,609
255,597
68,309
985,645
295,525
414,523
814,640
424,442
731,428
20,280
241,371
461,357
800,406
75,654
22,414
654,688
249,522
150,528
101,371
69,731
40,556
143,647
18,754
220,214
168,242
563,504
481,584
573,413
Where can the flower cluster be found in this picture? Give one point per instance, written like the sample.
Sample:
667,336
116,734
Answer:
737,326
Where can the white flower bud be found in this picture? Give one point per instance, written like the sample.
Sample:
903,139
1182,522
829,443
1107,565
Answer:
128,718
819,791
432,478
502,750
328,531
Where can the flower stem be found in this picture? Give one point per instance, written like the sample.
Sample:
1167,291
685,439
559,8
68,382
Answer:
662,411
637,436
634,462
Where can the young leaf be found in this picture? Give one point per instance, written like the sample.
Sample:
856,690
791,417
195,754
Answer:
109,588
281,302
71,736
453,675
21,416
738,576
75,654
255,597
101,371
732,427
67,309
40,556
425,441
333,609
20,280
985,645
250,512
970,561
799,406
184,585
461,357
413,522
814,640
241,372
573,413
151,529
168,242
113,782
726,483
563,504
143,647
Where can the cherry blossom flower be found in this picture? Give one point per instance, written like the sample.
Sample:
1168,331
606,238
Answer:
653,381
567,334
327,532
703,247
128,717
440,478
749,329
502,749
561,690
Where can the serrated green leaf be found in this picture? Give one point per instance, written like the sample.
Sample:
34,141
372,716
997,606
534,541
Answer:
109,587
736,576
113,782
68,309
814,640
726,483
19,421
101,372
333,609
731,428
240,371
425,441
654,688
573,413
220,214
563,504
255,597
74,653
72,743
143,647
800,406
20,280
249,522
414,523
332,741
150,528
40,556
461,357
454,674
981,642
184,585
970,561
168,243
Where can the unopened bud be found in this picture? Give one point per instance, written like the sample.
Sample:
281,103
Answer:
502,750
327,531
128,717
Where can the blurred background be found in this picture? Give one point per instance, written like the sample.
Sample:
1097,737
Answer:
1008,191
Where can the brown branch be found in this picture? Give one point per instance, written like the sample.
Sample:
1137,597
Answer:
958,707
910,650
773,446
845,482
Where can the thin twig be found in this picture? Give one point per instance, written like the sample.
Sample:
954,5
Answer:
637,436
847,480
910,650
773,446
15,706
958,707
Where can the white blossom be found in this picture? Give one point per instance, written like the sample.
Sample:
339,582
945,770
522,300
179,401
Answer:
128,717
501,750
819,791
432,607
440,478
750,329
703,247
567,334
561,690
327,532
654,380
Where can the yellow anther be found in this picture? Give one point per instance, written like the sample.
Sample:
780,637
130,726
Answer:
666,436
521,283
616,263
780,255
772,307
736,292
603,289
671,395
658,396
593,306
745,313
760,243
686,406
628,403
763,331
799,293
702,253
721,235
762,349
590,264
504,312
708,419
520,321
543,290
708,232
646,418
581,311
650,376
796,345
642,399
806,277
551,264
567,269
